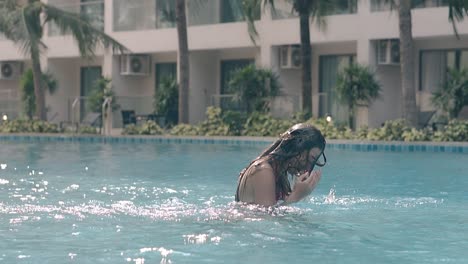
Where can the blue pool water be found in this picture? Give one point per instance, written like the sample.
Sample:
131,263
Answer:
161,203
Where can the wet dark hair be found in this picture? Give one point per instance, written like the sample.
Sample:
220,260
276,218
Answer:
293,142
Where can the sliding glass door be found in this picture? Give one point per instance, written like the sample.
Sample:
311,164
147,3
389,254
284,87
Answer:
330,66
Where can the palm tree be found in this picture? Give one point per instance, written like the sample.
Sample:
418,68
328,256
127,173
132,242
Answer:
183,60
457,10
307,10
23,22
408,90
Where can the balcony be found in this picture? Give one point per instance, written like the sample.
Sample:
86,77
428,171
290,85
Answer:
143,14
157,14
382,5
93,10
284,10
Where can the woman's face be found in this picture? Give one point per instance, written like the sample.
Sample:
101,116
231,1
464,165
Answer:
305,160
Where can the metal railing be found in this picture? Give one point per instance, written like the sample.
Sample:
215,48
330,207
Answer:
382,5
282,105
143,14
155,14
284,9
79,109
94,11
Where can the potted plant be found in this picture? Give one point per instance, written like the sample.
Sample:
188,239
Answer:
102,89
166,101
453,94
28,96
356,85
253,87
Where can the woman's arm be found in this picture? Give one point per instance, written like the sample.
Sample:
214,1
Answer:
304,186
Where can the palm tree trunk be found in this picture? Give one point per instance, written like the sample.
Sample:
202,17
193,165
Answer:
183,65
410,112
38,87
306,62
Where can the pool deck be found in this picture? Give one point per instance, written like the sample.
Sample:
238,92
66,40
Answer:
354,145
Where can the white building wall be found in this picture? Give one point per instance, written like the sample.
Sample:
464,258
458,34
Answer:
344,34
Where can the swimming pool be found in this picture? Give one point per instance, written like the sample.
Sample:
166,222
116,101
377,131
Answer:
149,203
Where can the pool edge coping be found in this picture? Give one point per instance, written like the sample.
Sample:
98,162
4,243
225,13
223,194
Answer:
356,145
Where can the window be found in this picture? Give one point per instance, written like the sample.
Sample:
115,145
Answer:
383,5
165,70
88,78
165,14
228,68
345,7
434,65
94,10
379,6
330,66
134,15
428,3
232,11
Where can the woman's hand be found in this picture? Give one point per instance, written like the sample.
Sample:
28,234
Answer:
305,184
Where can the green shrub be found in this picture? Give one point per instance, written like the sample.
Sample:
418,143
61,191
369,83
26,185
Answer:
361,133
235,121
185,130
102,89
252,86
88,130
131,130
261,125
166,100
356,84
391,130
416,135
28,96
214,124
150,128
329,130
28,126
455,130
452,96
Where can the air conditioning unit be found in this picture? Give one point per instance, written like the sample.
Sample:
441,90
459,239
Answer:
135,64
290,57
10,70
388,52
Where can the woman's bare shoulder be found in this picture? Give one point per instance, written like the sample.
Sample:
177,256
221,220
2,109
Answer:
261,165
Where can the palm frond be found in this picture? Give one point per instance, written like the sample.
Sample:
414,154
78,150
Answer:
249,7
79,25
458,9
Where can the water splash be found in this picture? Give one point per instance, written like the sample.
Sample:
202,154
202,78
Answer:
330,197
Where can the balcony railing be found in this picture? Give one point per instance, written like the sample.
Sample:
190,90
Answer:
156,14
382,5
284,9
79,108
94,11
143,14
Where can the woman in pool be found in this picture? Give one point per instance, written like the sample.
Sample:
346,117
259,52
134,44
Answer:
265,180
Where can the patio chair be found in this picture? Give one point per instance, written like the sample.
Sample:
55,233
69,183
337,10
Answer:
128,117
463,114
93,119
425,117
